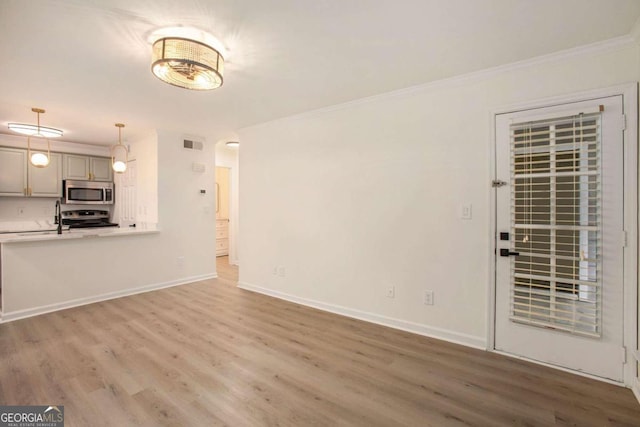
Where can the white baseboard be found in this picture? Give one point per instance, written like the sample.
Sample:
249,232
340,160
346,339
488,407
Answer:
29,312
416,328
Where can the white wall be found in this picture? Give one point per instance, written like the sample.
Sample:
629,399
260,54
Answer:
186,216
356,198
145,153
228,157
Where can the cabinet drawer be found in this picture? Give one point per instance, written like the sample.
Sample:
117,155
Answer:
222,233
222,223
222,247
222,244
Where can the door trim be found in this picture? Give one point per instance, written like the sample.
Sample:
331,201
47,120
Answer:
629,93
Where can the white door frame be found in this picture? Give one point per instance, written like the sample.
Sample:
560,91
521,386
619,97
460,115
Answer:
233,213
630,319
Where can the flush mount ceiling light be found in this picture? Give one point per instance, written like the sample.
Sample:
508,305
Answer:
190,63
233,144
119,160
35,130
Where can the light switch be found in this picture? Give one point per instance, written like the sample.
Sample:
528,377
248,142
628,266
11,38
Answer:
465,212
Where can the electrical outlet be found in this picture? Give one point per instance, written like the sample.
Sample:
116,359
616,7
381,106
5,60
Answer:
20,211
275,271
428,297
281,271
391,292
180,261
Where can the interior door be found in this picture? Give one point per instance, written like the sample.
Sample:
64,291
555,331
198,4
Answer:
559,243
126,195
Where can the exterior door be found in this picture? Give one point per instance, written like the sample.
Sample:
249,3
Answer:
560,238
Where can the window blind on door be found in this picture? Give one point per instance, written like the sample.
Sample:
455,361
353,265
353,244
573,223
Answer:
556,223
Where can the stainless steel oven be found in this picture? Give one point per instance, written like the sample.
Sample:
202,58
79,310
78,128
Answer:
76,192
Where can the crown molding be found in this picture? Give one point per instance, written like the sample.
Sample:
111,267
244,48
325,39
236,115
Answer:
610,45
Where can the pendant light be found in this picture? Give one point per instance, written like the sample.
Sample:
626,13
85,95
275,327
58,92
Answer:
119,164
37,159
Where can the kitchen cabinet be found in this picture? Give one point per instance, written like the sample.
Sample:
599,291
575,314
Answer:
86,167
100,169
13,171
18,177
45,182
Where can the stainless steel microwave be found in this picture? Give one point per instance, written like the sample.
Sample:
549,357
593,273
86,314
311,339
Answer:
77,192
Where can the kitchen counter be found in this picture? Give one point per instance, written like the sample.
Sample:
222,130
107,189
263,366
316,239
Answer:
43,271
74,233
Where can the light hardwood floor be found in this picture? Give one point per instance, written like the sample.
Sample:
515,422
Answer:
209,353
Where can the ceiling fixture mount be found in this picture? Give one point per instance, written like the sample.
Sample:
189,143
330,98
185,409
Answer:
119,162
187,63
233,144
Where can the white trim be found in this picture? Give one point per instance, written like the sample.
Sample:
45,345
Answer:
629,93
475,76
233,206
416,328
30,312
493,239
631,171
635,31
57,146
560,368
635,386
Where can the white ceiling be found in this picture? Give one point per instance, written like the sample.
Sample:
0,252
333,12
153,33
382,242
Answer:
87,62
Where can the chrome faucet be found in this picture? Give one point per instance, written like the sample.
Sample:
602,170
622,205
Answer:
58,219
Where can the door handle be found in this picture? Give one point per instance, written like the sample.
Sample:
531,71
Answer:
507,252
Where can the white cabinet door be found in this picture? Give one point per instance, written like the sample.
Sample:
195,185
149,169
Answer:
85,167
75,167
46,182
100,169
13,172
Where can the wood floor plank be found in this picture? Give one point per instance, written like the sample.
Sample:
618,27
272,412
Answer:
209,353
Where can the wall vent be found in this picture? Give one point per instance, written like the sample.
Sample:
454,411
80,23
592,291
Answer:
192,145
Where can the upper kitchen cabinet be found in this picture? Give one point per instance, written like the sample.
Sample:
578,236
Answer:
100,169
46,182
18,177
13,172
85,167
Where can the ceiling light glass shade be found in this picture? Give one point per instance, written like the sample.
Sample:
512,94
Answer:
39,160
119,153
187,63
119,166
34,130
233,144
